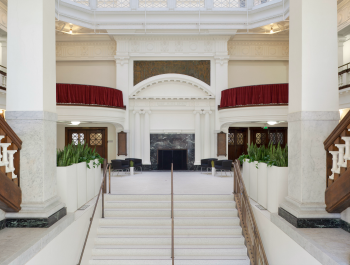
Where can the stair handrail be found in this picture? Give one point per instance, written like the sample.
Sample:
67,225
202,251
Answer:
172,216
250,229
102,190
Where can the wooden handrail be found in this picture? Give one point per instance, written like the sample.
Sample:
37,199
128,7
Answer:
172,216
102,188
250,229
335,134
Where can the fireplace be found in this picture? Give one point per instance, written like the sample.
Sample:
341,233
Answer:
176,156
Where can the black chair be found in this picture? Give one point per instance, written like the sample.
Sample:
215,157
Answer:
120,165
206,163
137,162
224,165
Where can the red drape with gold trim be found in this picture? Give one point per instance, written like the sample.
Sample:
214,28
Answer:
88,95
255,95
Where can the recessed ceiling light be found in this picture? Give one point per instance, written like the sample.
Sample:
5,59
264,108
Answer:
272,122
75,122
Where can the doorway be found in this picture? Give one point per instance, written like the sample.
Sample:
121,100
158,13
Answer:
177,157
95,137
237,142
276,135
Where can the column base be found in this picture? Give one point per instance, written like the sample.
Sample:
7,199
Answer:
197,163
308,215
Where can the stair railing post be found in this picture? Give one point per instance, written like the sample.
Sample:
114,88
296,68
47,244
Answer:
172,215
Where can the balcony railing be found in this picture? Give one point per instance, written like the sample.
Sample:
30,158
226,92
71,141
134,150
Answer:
259,2
344,76
167,4
3,77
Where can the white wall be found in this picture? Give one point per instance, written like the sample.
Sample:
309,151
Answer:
345,215
280,249
346,52
112,146
246,73
65,249
98,73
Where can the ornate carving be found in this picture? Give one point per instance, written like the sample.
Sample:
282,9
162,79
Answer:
196,69
89,50
258,50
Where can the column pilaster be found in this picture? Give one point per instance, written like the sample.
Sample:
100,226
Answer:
313,105
198,142
137,134
147,139
207,142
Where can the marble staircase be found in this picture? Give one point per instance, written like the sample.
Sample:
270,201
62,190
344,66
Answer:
137,230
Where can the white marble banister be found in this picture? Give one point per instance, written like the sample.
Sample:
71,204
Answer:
347,147
335,168
4,146
10,167
341,161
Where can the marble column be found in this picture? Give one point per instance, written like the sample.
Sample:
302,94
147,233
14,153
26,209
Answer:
137,133
207,143
313,104
4,53
147,140
31,103
198,142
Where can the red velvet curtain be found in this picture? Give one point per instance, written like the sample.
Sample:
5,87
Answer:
255,95
88,95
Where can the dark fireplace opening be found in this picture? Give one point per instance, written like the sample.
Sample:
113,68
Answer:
175,156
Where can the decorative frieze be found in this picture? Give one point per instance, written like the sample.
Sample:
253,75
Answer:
258,50
3,17
66,51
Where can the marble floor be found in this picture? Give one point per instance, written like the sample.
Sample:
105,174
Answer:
160,183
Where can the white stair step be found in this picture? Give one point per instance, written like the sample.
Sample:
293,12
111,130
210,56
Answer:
184,221
165,197
167,205
152,240
177,213
242,260
166,250
228,230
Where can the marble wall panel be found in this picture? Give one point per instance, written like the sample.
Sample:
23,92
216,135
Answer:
172,141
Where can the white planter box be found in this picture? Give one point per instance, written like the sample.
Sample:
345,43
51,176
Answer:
253,181
246,176
213,171
131,171
262,184
68,187
81,179
90,181
277,187
97,178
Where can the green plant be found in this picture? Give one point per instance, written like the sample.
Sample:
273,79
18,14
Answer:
73,154
278,156
131,163
243,158
212,163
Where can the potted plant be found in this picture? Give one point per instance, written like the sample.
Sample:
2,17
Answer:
213,170
277,177
253,172
131,167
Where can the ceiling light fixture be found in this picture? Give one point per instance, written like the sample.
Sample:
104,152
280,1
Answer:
272,122
271,31
71,31
75,122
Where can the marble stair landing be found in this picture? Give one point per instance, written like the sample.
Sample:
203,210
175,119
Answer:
330,246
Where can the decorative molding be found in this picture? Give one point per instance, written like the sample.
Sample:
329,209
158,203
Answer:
3,17
343,14
258,50
172,46
99,50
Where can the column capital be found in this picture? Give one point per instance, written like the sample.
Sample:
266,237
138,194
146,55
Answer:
222,59
122,59
207,112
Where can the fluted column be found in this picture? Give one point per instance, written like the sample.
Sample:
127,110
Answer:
197,137
207,134
147,140
137,134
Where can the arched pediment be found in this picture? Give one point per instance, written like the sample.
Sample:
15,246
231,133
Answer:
172,86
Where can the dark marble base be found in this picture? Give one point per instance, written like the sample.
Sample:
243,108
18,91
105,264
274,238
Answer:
36,222
2,224
313,222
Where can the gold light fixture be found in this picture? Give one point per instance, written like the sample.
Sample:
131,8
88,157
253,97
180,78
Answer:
71,31
271,31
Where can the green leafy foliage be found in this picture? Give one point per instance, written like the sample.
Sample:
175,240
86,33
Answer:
272,155
212,163
131,163
74,154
